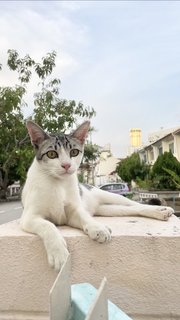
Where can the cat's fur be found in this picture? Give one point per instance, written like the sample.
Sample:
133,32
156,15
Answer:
52,195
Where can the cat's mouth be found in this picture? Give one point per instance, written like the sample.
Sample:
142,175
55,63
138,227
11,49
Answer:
67,172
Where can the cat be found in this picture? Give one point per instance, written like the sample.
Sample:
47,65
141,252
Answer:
52,195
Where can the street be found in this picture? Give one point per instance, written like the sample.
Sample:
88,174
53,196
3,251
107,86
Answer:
9,211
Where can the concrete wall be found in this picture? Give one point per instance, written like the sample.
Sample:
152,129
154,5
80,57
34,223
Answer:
141,263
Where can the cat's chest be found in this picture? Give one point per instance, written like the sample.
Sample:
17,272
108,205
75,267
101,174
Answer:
57,199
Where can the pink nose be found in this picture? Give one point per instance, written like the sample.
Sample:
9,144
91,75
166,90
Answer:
66,166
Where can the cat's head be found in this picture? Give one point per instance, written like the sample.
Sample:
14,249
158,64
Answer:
60,154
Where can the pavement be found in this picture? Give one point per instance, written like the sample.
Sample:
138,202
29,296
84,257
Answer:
10,210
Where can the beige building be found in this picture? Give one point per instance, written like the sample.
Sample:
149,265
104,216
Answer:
135,140
135,137
159,143
106,166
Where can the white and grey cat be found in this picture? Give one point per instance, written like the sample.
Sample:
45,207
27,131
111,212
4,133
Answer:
53,196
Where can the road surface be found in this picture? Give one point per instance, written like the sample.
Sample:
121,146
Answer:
9,211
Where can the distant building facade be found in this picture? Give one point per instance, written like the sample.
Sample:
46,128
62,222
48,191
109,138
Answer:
161,141
14,189
135,140
135,137
106,167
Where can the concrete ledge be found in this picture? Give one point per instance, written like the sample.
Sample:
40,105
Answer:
141,264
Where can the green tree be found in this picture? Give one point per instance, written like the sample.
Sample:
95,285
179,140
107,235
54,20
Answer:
91,154
131,168
175,177
50,111
161,174
13,138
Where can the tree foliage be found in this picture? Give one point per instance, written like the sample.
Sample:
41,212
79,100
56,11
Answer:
164,175
91,154
164,171
175,177
50,111
12,137
131,168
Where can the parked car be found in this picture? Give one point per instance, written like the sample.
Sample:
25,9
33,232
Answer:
117,187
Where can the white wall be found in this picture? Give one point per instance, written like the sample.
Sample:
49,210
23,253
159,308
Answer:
141,264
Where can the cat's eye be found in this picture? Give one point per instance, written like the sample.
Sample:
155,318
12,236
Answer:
52,154
74,152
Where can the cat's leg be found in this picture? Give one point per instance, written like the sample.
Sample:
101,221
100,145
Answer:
155,212
81,219
54,243
110,204
105,197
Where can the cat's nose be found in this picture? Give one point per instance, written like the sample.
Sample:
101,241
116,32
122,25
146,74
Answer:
66,166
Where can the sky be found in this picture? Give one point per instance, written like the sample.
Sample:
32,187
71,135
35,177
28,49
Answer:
120,57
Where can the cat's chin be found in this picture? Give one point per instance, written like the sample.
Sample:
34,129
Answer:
65,174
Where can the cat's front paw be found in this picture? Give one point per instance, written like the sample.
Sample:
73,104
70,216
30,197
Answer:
98,232
57,254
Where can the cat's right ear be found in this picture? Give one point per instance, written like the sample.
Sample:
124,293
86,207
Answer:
36,133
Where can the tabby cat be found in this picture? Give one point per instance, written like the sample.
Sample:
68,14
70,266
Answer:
52,195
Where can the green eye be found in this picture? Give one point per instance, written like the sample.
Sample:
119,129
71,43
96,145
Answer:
74,152
52,154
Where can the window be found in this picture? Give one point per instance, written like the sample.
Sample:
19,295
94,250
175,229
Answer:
151,155
171,147
107,187
117,186
160,151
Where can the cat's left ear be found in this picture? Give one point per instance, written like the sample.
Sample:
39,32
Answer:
81,132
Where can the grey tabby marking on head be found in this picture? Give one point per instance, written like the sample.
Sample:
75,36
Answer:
56,143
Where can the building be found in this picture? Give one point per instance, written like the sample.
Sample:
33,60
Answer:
164,140
154,136
106,167
135,140
135,137
14,189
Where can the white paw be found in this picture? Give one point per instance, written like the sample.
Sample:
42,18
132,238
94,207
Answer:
98,232
163,213
57,253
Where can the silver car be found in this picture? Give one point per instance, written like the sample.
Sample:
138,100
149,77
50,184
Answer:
117,187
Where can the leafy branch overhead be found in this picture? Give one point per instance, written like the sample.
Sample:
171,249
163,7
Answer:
25,65
48,110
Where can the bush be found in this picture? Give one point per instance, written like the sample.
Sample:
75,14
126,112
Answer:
132,168
161,177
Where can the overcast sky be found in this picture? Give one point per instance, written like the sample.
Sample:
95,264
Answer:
120,57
